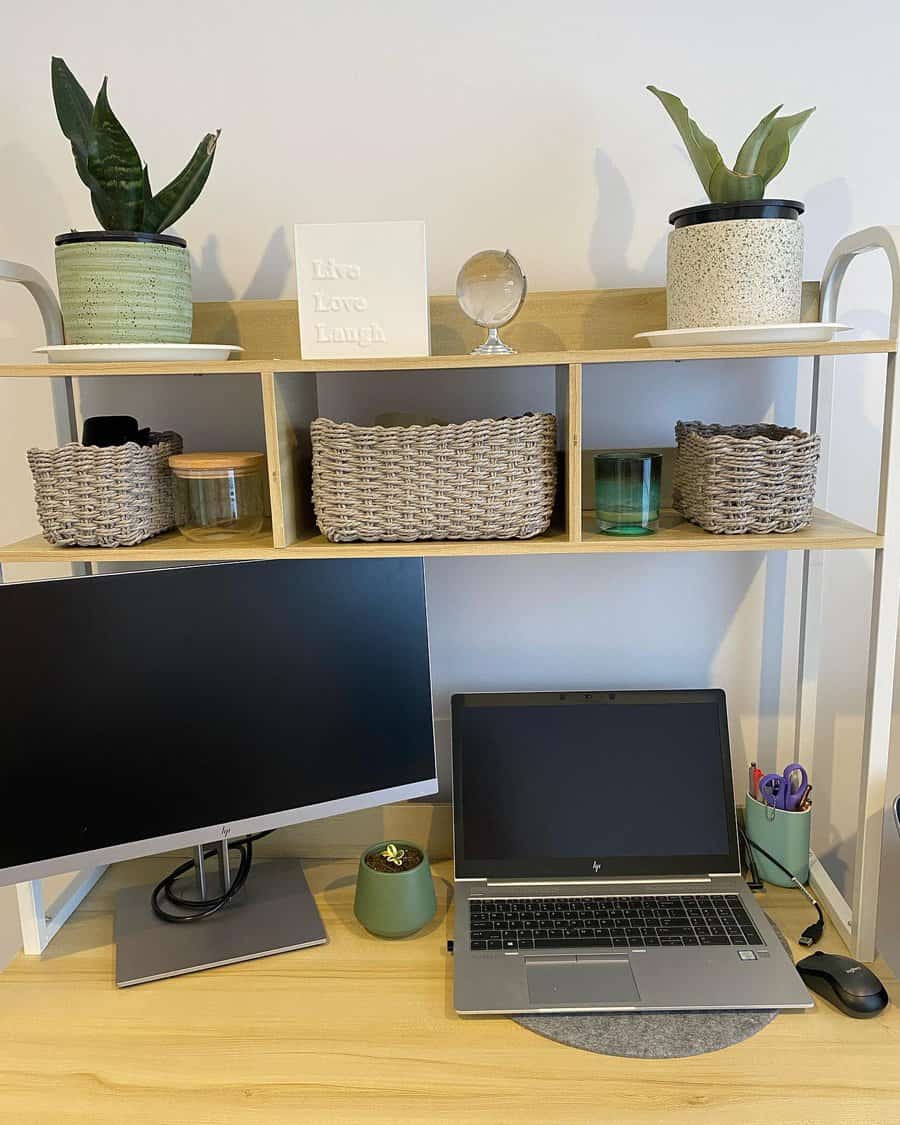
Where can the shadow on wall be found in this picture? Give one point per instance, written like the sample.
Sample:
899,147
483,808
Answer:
840,718
827,219
207,275
275,269
269,281
613,231
836,861
888,938
41,209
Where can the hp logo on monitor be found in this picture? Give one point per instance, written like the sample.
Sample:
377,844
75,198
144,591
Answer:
597,865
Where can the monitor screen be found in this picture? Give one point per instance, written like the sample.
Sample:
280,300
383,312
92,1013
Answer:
592,784
139,711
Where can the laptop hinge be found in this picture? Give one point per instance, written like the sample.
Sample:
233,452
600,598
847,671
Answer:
623,882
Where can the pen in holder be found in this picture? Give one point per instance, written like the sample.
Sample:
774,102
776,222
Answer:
784,835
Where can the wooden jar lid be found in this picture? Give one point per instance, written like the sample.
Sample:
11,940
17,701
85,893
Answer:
211,464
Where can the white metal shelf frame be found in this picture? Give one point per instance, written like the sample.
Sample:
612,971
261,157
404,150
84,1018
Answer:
39,922
858,918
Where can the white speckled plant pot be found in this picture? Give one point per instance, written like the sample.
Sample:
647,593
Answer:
735,271
122,287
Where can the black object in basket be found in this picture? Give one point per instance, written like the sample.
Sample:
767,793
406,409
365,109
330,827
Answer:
114,496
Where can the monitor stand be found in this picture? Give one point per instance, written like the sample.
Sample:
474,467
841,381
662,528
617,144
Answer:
273,913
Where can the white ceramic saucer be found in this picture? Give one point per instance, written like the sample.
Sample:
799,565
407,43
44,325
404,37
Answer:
137,353
812,332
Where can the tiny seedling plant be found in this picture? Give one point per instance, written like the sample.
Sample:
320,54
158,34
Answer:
762,156
394,855
394,858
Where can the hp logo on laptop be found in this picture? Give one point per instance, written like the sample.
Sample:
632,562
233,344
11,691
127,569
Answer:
597,865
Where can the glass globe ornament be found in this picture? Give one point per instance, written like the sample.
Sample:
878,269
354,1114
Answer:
490,289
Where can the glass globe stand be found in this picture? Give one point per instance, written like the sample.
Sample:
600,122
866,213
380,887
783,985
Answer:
493,345
490,289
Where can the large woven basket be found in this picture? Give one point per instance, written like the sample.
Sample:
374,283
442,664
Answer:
116,496
490,479
737,479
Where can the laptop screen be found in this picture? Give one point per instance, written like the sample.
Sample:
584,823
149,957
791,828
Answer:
588,784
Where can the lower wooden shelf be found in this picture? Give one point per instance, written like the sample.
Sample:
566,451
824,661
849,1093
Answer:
825,533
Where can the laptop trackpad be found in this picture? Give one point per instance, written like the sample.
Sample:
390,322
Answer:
588,980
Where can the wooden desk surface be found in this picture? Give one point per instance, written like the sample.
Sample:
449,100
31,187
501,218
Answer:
363,1030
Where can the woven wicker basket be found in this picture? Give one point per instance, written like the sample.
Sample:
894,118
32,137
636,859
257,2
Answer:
735,479
116,496
490,479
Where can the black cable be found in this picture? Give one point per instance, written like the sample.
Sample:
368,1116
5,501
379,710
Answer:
198,909
812,933
754,883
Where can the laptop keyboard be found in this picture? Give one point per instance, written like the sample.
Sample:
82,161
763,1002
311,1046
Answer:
635,921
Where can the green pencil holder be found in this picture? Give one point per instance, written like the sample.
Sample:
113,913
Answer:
784,835
394,904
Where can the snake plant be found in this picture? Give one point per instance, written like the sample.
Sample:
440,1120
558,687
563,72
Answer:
762,156
110,167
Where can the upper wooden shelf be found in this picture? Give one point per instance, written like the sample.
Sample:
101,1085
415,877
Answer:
825,533
458,362
588,326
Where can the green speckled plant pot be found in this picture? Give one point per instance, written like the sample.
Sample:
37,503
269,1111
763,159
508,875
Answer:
397,903
123,287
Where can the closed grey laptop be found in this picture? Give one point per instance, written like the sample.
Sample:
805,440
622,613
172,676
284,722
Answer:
596,859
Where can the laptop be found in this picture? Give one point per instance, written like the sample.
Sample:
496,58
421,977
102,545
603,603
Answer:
596,859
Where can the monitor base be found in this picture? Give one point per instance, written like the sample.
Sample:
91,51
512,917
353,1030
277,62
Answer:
274,913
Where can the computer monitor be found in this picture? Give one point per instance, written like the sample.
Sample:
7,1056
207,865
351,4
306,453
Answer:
148,711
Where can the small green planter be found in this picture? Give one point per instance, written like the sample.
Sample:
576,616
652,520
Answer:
394,904
124,287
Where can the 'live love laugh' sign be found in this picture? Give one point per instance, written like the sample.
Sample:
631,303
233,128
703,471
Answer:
362,290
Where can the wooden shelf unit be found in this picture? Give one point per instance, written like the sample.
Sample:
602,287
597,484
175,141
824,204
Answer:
569,333
635,354
587,326
826,533
565,333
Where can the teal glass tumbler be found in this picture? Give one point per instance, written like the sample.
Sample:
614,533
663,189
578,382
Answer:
626,492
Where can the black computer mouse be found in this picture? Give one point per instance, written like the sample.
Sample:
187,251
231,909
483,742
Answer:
846,983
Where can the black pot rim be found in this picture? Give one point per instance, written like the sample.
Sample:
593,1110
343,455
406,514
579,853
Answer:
118,236
790,209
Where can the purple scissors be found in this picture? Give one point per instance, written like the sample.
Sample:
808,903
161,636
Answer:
784,790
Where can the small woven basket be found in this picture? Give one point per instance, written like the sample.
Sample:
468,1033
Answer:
737,479
489,479
88,496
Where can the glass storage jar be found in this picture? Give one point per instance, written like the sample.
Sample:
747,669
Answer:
219,495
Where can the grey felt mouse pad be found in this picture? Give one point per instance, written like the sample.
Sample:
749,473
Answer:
652,1035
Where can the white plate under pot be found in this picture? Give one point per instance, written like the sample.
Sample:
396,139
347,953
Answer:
138,353
810,332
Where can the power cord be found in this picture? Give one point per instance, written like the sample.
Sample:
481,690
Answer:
812,933
753,882
198,909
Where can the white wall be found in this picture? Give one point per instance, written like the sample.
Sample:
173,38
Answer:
521,125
